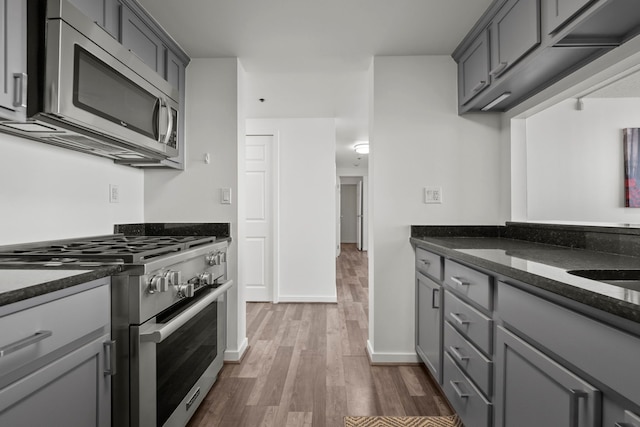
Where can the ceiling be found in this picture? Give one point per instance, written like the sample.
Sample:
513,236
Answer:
311,58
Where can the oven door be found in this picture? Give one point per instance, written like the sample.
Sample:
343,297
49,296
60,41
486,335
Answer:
88,87
176,357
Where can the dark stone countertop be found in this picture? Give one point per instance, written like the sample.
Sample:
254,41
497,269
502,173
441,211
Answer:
541,264
17,284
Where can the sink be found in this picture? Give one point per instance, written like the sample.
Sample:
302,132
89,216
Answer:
629,279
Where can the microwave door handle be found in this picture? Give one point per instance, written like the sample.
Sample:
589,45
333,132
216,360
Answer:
161,120
169,124
158,332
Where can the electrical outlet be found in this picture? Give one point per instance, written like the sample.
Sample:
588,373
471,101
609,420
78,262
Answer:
433,194
114,194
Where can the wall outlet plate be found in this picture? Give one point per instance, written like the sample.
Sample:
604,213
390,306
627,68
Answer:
114,194
225,196
433,194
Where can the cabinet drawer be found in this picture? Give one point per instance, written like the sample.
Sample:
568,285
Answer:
471,361
470,322
429,263
48,327
469,282
465,398
612,353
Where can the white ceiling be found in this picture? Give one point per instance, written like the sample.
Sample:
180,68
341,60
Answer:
311,58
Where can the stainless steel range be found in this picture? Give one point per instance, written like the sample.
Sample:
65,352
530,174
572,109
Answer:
168,310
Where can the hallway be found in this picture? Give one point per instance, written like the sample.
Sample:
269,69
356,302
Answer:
307,365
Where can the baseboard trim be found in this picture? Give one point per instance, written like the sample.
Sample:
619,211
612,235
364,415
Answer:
391,358
235,356
304,299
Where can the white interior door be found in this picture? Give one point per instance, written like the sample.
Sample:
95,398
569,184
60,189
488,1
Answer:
359,226
258,253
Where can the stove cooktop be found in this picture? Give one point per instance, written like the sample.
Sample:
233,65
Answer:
102,250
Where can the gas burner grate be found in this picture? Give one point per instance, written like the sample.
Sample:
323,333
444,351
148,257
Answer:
130,249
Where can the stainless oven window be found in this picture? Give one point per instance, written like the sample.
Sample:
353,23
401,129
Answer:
185,355
101,90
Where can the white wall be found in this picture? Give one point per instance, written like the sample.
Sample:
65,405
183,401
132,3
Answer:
214,126
575,161
307,179
49,193
418,140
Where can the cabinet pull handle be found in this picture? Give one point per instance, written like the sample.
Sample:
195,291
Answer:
110,361
25,342
499,69
458,390
435,303
479,86
460,282
620,425
458,319
456,353
574,406
20,87
425,262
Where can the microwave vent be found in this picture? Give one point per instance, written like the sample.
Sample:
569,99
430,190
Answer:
84,143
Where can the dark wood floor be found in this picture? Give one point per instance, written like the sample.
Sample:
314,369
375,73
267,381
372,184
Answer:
307,366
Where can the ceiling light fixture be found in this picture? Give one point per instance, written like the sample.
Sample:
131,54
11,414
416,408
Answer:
361,148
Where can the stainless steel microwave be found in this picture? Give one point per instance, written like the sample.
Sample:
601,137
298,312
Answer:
85,91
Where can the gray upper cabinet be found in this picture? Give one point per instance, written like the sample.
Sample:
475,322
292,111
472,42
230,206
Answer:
559,12
142,41
473,69
536,391
13,67
515,31
175,70
105,13
429,324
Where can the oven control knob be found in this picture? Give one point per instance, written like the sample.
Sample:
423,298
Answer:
158,284
205,279
174,278
185,290
213,259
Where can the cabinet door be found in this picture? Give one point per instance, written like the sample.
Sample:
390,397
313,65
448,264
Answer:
533,390
514,32
429,324
103,12
559,12
473,69
71,391
175,70
13,61
142,41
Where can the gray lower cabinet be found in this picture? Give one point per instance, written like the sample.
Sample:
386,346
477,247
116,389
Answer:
56,359
13,62
429,324
514,32
536,391
473,69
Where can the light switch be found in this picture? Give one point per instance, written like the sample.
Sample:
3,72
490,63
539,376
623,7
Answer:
225,196
433,194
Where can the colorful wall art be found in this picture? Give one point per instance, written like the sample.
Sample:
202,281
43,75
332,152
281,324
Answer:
631,167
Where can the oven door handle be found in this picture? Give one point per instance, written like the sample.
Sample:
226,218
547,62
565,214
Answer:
158,332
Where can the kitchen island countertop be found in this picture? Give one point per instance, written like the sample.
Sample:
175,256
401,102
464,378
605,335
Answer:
541,265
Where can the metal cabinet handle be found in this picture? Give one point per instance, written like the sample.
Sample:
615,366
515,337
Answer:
460,282
425,262
456,353
25,342
479,86
435,292
458,390
20,87
574,406
620,425
110,361
458,319
499,69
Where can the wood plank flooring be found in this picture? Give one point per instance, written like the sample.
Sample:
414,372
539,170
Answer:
307,366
